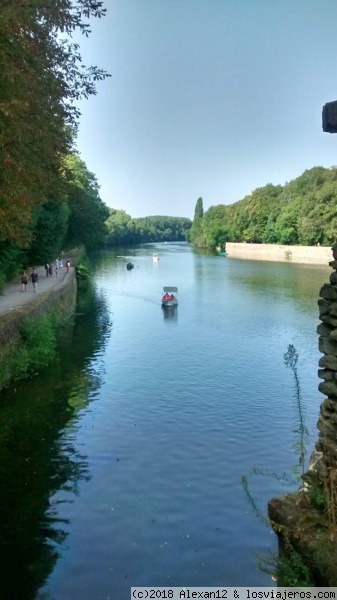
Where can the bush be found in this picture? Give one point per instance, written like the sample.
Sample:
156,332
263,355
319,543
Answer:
39,343
83,268
2,281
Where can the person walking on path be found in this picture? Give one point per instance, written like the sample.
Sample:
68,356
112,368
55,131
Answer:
47,269
24,281
68,266
34,277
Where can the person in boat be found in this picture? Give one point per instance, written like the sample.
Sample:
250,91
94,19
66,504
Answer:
166,297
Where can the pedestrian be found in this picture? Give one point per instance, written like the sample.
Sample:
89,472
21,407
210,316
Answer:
47,269
56,266
34,277
50,270
24,281
68,266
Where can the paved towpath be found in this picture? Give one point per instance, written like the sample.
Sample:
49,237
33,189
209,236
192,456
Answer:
12,296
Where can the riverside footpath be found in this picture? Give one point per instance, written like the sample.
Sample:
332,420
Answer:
13,298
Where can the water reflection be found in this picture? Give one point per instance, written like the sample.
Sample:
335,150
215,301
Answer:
38,427
295,281
170,314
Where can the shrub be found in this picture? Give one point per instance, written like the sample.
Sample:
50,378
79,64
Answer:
39,339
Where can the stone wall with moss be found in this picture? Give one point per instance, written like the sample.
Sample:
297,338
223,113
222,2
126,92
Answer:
60,299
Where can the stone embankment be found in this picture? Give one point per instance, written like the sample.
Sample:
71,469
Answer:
327,330
53,294
313,255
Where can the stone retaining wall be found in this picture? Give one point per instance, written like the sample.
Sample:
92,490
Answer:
327,330
319,255
61,298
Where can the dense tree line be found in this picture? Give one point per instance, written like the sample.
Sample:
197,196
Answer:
122,229
302,212
41,194
74,219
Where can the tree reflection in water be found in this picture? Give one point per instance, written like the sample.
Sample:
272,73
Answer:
38,425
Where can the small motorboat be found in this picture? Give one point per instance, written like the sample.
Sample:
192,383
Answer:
170,296
155,258
129,266
223,253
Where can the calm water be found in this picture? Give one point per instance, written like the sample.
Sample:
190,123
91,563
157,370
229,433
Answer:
121,464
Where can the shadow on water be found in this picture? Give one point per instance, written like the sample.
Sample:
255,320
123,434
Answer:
37,429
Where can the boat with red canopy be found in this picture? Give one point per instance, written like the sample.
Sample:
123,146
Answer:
170,296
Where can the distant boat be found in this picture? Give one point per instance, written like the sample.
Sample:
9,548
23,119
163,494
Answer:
129,266
223,253
155,258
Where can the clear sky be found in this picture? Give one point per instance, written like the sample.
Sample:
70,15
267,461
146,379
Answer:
209,98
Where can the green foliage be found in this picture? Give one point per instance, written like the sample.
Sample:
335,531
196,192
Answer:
122,229
37,348
303,211
288,568
83,268
258,513
292,570
11,260
87,212
199,209
42,76
38,344
74,219
316,493
49,231
300,432
197,233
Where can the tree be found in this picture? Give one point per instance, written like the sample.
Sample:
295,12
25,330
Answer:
199,209
122,229
88,212
196,235
41,77
118,226
49,231
304,211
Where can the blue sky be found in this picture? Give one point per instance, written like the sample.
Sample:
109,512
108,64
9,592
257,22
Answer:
209,98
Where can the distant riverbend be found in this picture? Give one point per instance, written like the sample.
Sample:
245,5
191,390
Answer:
311,255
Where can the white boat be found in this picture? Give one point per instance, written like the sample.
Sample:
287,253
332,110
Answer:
170,296
155,257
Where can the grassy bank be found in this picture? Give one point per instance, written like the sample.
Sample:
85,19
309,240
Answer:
29,335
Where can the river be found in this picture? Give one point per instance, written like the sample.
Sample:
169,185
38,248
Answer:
122,463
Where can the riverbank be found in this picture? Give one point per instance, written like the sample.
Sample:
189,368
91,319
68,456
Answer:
53,303
311,255
13,298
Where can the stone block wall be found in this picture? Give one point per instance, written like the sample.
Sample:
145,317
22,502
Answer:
311,255
327,330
